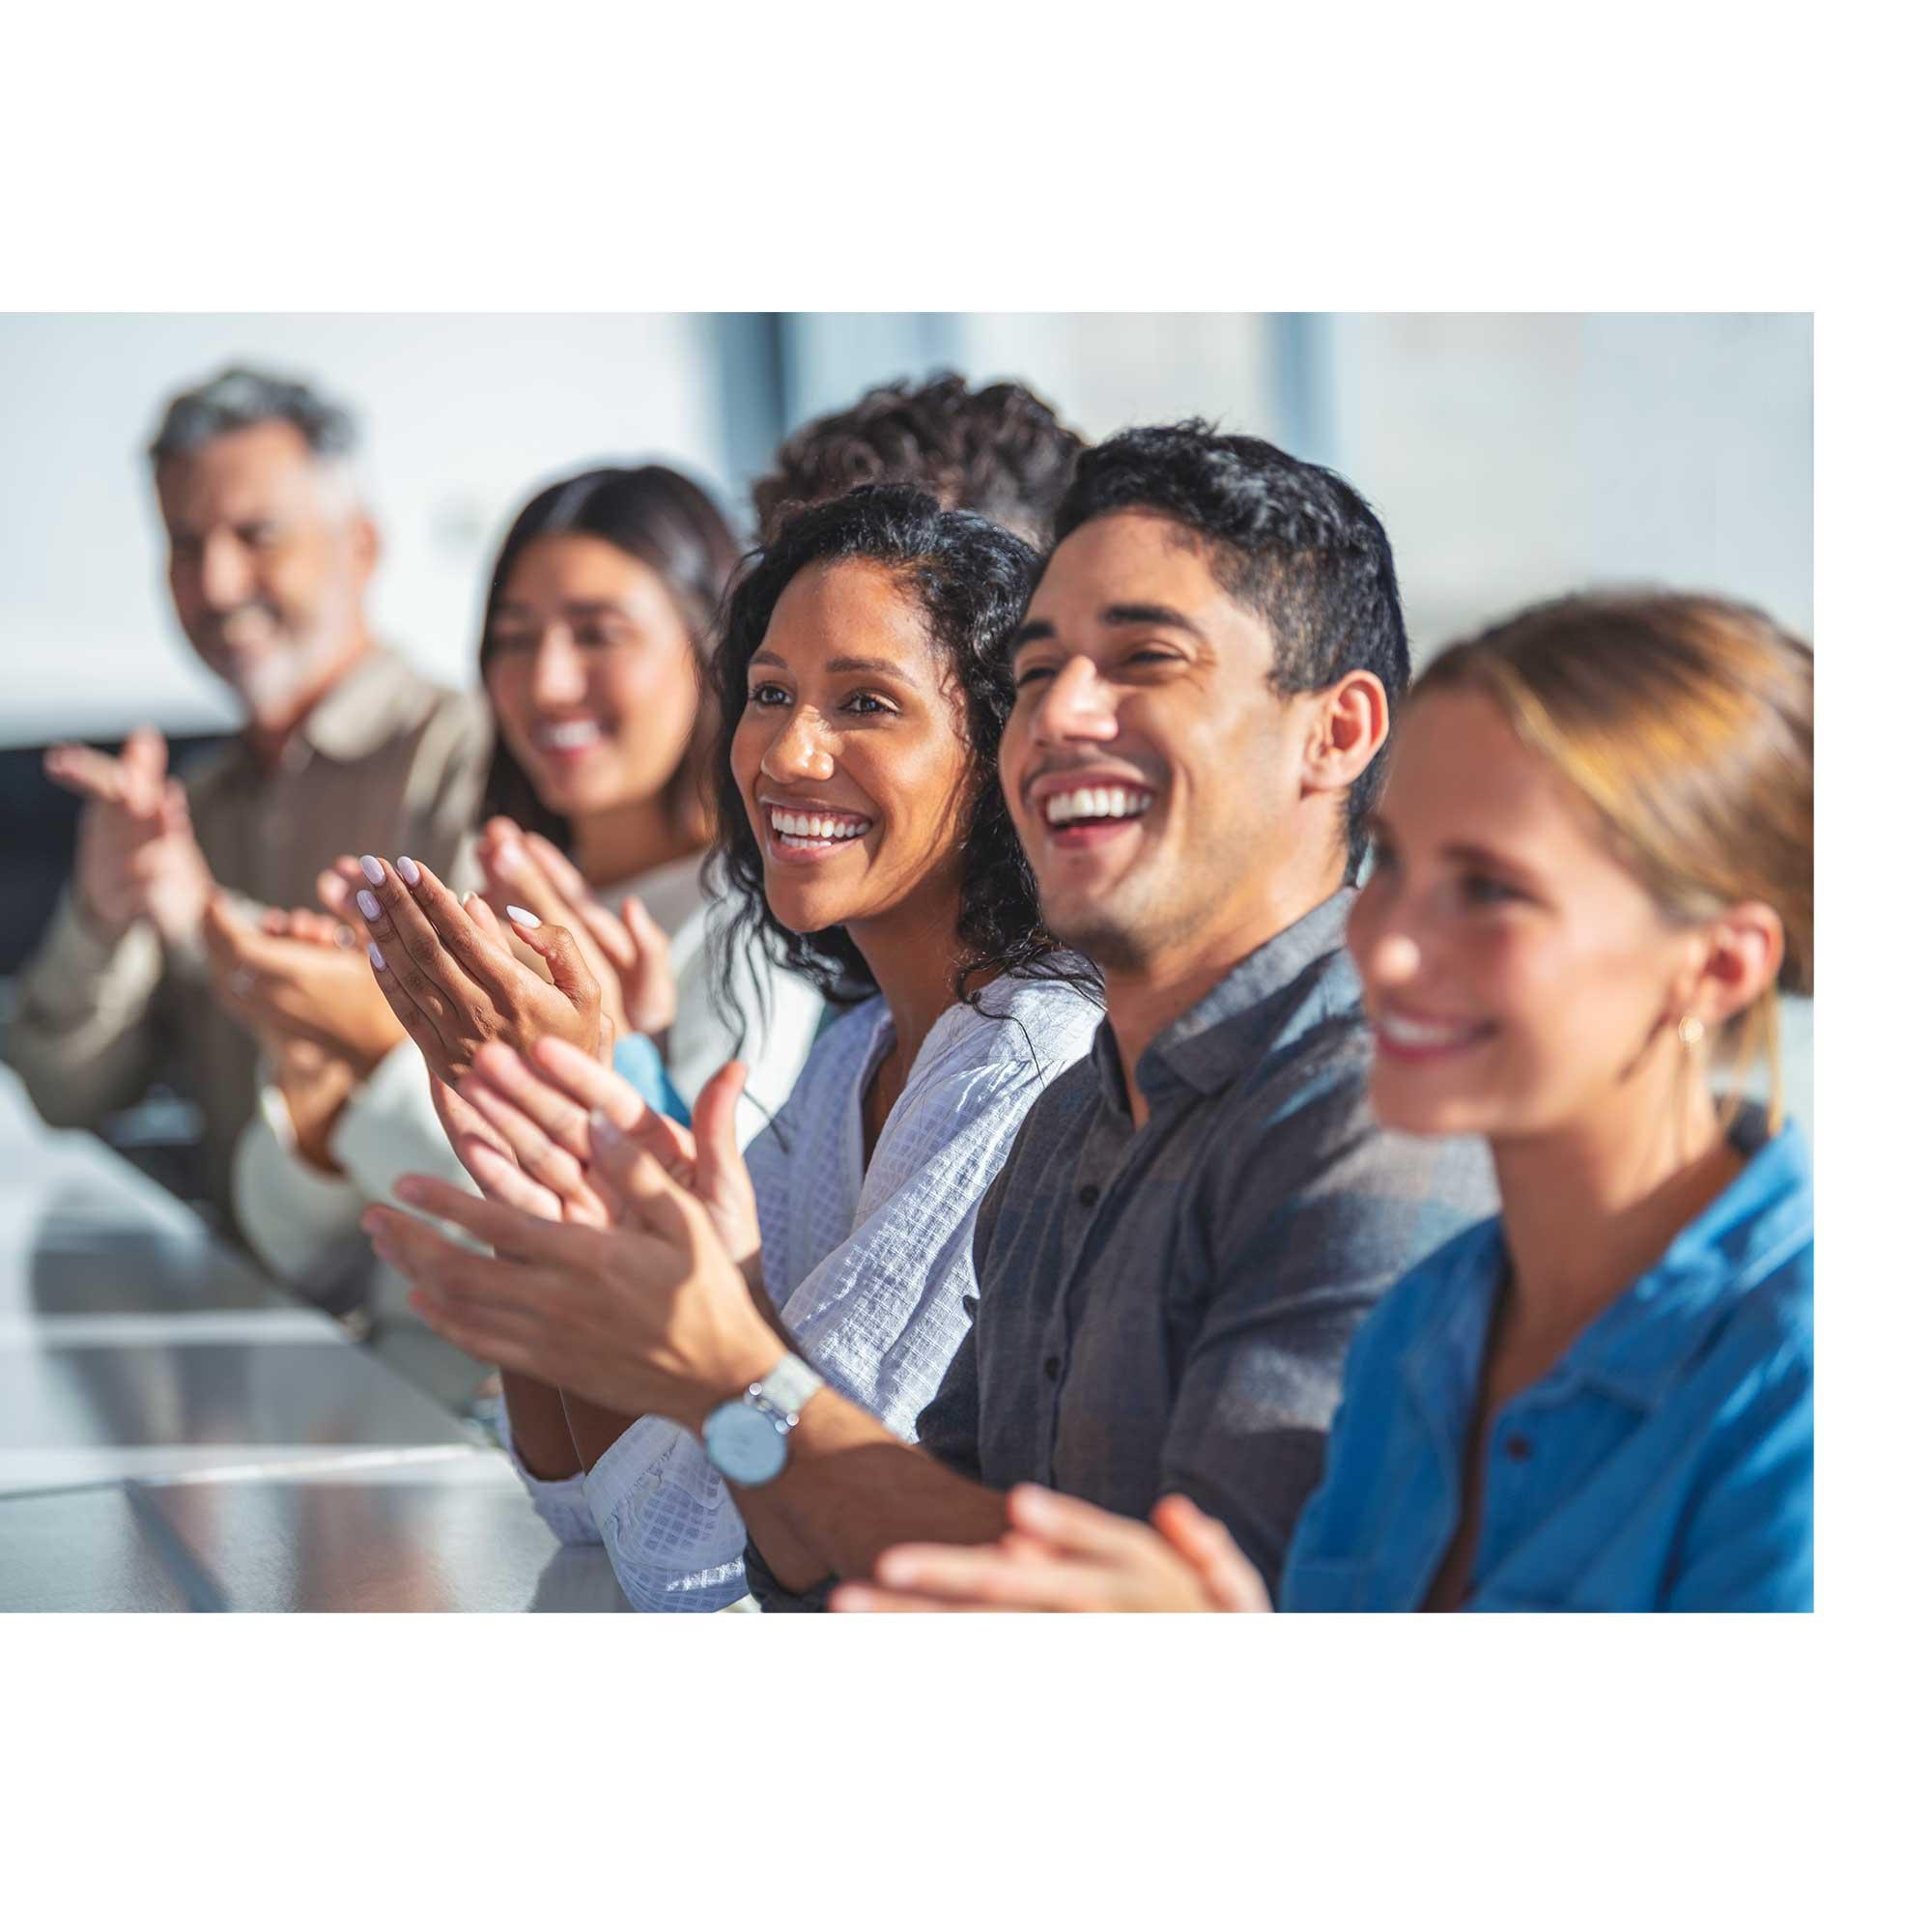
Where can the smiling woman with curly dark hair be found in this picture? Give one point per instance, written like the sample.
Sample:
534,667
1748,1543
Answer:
955,585
861,685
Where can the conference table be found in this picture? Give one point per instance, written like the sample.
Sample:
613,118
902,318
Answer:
179,1433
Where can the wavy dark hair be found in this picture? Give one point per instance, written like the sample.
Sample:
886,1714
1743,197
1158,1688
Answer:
971,578
1000,451
671,527
1291,541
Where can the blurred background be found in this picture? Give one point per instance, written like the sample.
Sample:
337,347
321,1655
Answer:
1511,456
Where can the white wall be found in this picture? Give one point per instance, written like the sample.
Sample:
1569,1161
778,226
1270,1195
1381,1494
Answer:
460,416
1512,457
1107,372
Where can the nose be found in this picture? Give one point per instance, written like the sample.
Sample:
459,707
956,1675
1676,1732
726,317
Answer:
1381,937
798,751
1397,958
224,575
557,678
1076,705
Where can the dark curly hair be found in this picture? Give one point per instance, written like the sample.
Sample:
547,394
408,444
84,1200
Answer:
1291,540
669,525
999,451
971,578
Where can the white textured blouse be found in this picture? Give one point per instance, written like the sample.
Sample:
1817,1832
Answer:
871,1267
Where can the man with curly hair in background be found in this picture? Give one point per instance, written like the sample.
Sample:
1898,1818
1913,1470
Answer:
999,451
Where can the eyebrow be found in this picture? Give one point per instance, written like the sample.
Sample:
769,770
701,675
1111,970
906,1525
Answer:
1482,855
1116,617
1378,828
575,606
865,667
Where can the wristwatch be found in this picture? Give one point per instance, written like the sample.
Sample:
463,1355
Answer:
745,1438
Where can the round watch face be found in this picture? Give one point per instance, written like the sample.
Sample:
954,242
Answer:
744,1443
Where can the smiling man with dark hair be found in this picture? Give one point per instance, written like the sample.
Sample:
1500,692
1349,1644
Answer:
1194,1219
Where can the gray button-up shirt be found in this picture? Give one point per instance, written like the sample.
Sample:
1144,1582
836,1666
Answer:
1168,1308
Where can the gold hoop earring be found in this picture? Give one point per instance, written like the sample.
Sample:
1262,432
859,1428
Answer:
1689,1028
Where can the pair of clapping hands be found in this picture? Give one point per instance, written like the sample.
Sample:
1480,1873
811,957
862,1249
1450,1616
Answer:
625,1248
454,976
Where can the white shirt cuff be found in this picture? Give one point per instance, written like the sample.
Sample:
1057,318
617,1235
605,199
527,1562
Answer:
674,1536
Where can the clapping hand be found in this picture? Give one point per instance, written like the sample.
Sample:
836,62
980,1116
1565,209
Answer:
535,1150
648,1315
629,953
454,983
1064,1554
137,858
297,975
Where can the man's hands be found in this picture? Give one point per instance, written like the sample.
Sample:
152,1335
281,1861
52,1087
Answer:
453,983
630,955
646,1316
1064,1554
299,975
137,858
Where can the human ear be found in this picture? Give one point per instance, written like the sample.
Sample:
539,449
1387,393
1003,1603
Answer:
365,542
1744,949
1351,724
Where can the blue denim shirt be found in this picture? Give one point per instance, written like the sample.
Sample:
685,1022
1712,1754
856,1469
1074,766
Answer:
1664,1464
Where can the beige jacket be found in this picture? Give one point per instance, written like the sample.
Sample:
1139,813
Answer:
387,763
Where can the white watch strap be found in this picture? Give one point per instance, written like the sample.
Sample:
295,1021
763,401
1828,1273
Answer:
791,1385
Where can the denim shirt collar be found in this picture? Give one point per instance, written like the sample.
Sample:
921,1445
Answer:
1634,1347
1277,993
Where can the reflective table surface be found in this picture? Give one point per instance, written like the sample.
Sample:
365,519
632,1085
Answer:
178,1434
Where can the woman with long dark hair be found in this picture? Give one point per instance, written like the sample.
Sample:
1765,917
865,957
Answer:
862,683
598,625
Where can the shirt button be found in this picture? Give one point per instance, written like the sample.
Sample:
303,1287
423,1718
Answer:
1516,1448
1052,1367
1088,1195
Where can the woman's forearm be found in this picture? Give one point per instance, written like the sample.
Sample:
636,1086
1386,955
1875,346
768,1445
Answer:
540,1428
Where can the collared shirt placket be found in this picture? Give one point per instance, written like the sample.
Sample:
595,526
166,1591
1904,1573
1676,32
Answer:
1117,1158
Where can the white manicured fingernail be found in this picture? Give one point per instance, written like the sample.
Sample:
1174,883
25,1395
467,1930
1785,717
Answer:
370,908
522,917
372,869
603,1130
411,872
375,955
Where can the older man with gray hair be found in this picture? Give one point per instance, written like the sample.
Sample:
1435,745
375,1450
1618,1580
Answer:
343,748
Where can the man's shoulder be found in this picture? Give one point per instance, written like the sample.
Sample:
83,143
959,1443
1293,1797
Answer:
436,708
383,700
1300,1117
1067,1101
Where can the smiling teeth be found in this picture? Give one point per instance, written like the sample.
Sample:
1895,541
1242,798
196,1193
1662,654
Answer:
570,737
817,826
1420,1032
1099,802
